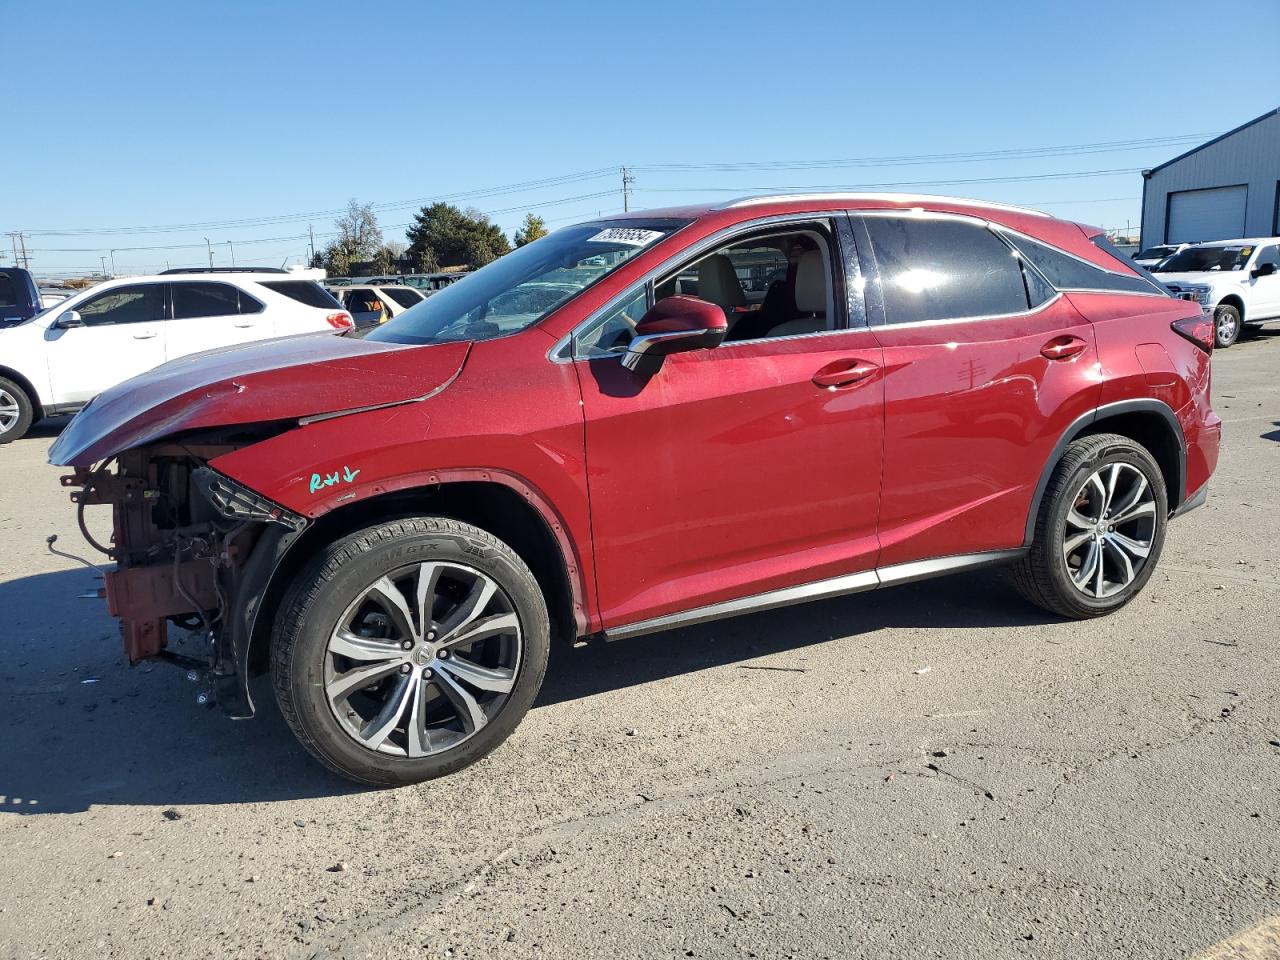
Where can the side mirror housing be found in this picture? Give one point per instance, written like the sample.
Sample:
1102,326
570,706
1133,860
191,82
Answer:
1264,269
69,320
674,325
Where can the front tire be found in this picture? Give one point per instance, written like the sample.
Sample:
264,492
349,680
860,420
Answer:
1100,529
409,650
1226,326
16,411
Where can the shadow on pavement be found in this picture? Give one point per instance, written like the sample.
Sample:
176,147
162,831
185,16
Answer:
82,728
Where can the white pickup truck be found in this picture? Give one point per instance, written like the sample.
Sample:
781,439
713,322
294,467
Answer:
1238,281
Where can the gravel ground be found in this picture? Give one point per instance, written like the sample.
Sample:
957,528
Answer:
793,783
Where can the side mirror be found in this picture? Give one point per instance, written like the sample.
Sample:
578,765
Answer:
69,319
674,325
1264,269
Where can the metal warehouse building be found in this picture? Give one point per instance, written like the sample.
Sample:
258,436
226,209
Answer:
1223,189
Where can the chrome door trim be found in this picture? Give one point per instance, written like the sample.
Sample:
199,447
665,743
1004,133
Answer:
818,590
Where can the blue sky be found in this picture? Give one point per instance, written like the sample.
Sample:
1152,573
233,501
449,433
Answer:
159,115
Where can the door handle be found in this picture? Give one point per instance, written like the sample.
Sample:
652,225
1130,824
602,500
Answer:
844,373
244,326
144,335
1063,348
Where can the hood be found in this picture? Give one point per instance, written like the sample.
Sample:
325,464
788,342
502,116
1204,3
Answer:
1209,277
286,379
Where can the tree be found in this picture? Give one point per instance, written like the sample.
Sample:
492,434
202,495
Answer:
455,238
532,228
359,238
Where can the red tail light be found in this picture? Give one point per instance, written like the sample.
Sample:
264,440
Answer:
1199,330
340,320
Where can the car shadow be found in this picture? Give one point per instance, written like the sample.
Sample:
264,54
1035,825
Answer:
1273,434
82,728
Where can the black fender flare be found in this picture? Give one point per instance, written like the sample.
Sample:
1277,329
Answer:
1083,422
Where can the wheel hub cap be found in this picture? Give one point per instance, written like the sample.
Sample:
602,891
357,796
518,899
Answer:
1109,530
395,692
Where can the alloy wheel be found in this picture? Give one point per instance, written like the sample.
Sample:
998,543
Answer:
423,659
1109,530
1226,322
9,411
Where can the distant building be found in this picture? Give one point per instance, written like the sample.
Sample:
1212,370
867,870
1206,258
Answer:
1223,189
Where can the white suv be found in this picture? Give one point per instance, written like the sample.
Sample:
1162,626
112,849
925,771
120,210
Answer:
1238,281
60,359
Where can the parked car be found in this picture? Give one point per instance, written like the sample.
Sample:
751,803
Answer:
429,283
49,297
1237,281
396,526
1150,256
371,305
58,361
19,296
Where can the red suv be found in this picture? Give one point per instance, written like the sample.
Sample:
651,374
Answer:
635,424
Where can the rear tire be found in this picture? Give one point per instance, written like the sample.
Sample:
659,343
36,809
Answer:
1226,326
409,650
1100,529
17,412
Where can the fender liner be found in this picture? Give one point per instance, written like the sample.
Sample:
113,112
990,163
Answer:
1081,423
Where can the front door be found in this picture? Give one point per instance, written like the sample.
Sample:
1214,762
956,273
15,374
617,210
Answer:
1266,289
122,336
742,469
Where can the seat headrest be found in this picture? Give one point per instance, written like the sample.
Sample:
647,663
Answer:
811,283
718,283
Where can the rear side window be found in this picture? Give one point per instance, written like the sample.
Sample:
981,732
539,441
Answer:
306,292
8,291
403,296
1068,273
947,270
192,300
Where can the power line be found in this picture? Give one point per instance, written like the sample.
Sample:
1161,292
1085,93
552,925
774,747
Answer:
772,188
1078,149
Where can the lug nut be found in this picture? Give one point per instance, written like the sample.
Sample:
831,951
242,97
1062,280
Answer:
443,654
427,673
406,645
431,634
405,667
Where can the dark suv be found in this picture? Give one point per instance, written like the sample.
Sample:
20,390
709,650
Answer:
19,296
602,434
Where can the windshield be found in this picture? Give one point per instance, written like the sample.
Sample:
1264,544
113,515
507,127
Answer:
518,290
1205,260
1153,253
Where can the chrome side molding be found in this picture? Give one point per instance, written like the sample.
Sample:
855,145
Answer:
818,590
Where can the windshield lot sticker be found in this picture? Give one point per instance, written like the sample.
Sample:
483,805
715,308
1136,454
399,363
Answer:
628,236
347,475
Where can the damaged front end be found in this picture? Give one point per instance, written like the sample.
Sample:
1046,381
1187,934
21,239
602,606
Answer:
192,548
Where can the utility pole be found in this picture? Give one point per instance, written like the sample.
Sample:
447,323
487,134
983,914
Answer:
209,247
233,253
26,261
113,263
13,238
104,265
312,234
627,181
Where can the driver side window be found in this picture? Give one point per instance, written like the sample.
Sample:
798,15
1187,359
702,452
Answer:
771,285
137,303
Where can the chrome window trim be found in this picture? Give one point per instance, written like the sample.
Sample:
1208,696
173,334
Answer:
562,350
844,198
990,316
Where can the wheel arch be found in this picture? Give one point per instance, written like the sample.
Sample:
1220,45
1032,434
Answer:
499,504
1147,422
37,404
1233,300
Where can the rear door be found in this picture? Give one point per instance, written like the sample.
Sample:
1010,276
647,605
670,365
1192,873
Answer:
1266,290
209,314
985,366
123,335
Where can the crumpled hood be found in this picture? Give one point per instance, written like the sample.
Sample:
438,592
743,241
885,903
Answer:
271,380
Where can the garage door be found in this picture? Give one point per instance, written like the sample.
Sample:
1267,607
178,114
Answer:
1216,214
